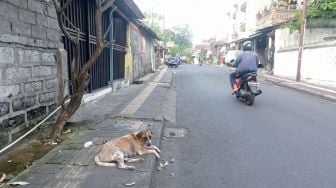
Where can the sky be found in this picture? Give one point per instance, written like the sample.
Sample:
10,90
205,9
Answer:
206,19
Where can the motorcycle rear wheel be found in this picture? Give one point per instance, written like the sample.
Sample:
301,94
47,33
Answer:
250,99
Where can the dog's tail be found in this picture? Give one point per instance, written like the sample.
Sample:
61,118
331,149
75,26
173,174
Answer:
98,162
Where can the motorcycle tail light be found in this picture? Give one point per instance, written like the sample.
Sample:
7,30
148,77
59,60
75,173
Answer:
238,81
252,78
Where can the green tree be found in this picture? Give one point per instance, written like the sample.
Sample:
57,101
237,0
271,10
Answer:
294,25
325,9
320,9
155,21
182,36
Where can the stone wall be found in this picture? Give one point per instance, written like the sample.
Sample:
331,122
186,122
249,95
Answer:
29,38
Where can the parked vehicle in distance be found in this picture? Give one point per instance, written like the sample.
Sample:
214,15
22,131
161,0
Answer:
231,57
173,62
167,58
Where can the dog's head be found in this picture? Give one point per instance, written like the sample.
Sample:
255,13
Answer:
145,136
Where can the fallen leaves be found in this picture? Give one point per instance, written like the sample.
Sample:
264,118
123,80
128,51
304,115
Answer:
67,131
159,168
162,164
165,164
52,142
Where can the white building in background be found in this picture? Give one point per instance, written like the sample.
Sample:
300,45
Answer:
260,21
247,15
244,18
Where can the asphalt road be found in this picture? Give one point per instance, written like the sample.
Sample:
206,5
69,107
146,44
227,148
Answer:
286,139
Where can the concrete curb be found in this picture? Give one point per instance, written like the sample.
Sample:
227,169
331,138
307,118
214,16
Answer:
325,93
154,161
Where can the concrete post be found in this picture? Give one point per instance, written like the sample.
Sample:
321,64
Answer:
301,42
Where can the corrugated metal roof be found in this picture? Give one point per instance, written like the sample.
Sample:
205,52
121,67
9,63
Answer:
132,11
146,29
129,8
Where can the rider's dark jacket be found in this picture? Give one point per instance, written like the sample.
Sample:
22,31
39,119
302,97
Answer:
247,61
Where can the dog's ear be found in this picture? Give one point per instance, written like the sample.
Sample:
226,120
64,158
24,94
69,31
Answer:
144,133
140,134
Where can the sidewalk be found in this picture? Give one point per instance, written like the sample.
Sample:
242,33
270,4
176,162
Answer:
314,89
116,114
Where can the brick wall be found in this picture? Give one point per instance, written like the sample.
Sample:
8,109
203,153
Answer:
29,38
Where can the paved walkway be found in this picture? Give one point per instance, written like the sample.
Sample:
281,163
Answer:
129,109
314,89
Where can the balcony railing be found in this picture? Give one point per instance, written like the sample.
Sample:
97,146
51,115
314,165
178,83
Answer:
242,27
274,17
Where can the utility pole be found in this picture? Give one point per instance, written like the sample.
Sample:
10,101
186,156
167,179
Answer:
302,32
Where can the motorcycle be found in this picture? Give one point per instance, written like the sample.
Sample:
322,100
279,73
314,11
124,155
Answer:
247,88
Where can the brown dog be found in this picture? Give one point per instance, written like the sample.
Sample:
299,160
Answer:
118,151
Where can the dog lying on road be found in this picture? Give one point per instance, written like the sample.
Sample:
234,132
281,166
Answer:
118,151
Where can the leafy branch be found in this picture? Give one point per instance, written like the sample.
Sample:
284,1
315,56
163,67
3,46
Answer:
295,24
324,9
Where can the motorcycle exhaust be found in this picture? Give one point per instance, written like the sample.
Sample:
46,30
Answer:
258,92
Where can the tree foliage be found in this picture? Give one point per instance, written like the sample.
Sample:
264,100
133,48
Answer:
294,25
180,35
320,9
155,21
325,9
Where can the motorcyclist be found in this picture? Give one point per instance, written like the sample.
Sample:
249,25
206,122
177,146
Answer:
245,63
